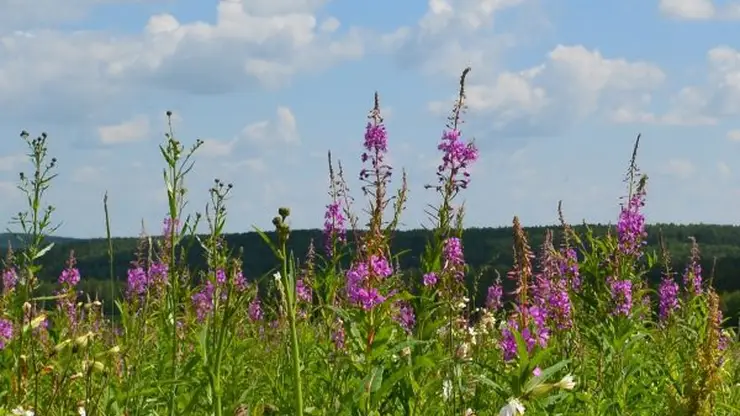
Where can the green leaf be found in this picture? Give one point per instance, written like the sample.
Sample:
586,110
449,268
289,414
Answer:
545,375
43,251
267,241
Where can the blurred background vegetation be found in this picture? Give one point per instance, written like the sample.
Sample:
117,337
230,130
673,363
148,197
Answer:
487,251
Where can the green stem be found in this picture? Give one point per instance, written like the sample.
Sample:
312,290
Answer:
174,287
110,257
293,338
217,403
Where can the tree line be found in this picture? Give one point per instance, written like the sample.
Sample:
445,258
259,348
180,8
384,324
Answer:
487,251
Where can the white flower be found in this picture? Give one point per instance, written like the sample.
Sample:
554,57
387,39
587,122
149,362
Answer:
277,276
472,335
446,389
19,411
566,383
81,411
513,408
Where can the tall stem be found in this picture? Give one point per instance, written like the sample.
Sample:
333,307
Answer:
295,348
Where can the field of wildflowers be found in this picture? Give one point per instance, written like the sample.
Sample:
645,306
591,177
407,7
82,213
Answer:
582,334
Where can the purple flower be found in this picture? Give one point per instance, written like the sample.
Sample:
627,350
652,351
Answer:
568,265
631,226
380,267
452,255
376,139
360,278
203,301
334,227
70,276
240,282
368,298
303,291
452,252
536,333
338,335
493,300
621,294
158,274
508,341
6,332
457,157
430,279
667,297
540,333
170,226
67,304
220,276
10,279
255,310
405,316
137,281
550,289
559,305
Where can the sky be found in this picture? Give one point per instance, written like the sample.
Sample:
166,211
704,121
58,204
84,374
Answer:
557,94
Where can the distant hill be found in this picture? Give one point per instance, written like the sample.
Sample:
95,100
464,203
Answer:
15,240
488,248
487,252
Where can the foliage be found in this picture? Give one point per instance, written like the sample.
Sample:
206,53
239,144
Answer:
588,320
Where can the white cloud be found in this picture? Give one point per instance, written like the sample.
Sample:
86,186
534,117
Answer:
468,15
455,33
688,9
330,25
629,115
718,98
733,135
699,9
680,168
584,79
133,130
216,148
251,42
282,130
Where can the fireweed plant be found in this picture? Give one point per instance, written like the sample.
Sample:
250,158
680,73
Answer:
573,328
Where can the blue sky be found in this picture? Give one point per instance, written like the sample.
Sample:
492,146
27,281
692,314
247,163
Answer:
557,94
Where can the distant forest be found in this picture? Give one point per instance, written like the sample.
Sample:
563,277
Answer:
487,251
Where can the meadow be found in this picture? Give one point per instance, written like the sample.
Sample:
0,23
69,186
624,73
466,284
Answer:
574,328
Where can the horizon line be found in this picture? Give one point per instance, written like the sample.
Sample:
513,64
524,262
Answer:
318,229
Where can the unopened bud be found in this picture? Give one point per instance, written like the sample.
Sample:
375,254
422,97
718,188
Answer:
37,321
62,345
83,340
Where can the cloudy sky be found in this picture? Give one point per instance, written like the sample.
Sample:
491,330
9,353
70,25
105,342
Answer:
557,94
